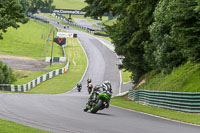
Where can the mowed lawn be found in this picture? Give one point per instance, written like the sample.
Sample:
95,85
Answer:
12,127
68,80
29,40
69,4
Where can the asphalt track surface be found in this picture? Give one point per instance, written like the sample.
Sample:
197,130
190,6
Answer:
63,113
85,23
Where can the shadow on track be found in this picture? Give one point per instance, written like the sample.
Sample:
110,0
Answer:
103,114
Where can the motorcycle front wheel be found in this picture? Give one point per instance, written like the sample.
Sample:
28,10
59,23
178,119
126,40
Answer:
97,106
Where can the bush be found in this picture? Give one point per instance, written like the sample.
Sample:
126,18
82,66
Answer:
6,75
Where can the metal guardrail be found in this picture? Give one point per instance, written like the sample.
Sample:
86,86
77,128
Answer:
180,101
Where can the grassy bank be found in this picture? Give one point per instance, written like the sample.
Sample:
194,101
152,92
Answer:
175,115
12,127
89,19
69,4
24,76
108,22
29,40
67,81
185,78
126,76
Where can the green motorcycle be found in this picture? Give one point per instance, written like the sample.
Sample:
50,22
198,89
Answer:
98,101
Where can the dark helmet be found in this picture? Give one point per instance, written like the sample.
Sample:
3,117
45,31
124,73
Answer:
79,84
89,80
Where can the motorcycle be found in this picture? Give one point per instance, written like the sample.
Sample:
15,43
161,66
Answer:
90,86
101,101
79,87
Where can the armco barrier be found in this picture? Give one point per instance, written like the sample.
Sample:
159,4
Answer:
38,18
180,101
79,26
35,82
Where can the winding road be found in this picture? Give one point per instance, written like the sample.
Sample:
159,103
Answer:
63,113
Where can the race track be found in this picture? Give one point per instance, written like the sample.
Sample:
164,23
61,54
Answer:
63,113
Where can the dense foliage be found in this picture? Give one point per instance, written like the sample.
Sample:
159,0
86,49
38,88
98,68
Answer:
11,14
152,34
42,5
175,34
6,75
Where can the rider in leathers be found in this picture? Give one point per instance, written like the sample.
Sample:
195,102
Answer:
106,86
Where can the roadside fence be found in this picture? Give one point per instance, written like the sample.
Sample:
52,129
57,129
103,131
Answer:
180,101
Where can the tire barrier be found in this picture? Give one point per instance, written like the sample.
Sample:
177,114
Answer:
35,82
180,101
38,18
79,26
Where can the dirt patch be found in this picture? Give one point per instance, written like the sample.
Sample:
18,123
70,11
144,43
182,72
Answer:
24,63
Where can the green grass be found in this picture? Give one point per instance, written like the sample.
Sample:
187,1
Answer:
175,115
89,19
29,40
185,78
24,77
108,22
12,127
55,66
67,81
69,4
126,76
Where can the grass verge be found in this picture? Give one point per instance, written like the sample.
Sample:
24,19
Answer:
175,115
185,78
29,40
67,81
12,127
69,4
126,76
24,76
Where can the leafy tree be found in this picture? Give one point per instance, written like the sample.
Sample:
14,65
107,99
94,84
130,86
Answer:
175,34
130,33
96,8
11,14
25,5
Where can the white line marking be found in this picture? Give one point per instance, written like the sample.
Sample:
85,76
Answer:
157,116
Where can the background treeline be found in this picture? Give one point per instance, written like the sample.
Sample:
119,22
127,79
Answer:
34,5
154,35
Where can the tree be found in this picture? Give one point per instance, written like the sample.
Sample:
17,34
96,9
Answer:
96,8
11,15
130,33
175,34
6,75
25,5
